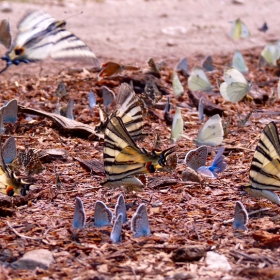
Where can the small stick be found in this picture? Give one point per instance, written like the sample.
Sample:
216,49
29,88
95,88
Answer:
250,214
21,235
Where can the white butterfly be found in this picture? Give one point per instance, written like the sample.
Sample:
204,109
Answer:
140,223
235,86
198,80
117,229
79,219
102,215
239,63
240,216
212,133
239,30
201,109
177,86
120,208
177,127
258,193
271,53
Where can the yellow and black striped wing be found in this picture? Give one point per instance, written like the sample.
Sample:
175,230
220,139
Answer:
265,168
130,111
123,158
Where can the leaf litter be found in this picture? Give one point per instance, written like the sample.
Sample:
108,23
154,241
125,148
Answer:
184,216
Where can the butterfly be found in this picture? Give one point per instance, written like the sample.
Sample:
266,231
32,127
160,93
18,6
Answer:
108,96
201,109
102,215
40,36
123,158
235,86
212,133
177,127
140,223
271,53
239,63
241,217
67,111
151,94
207,63
265,168
10,184
79,219
242,122
177,86
239,30
129,110
9,111
112,68
196,158
29,160
182,66
218,165
263,28
120,208
115,235
61,90
9,150
198,80
5,34
91,100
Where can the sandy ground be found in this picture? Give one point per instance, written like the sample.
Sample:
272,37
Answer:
131,31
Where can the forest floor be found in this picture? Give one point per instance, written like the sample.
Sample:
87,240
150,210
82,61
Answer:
181,214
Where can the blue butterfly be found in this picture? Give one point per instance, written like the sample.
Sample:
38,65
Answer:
9,150
91,100
79,219
217,166
102,215
117,230
120,208
240,216
9,111
140,223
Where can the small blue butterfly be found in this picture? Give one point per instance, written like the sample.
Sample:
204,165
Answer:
102,215
217,166
240,216
140,223
120,208
91,100
207,63
69,109
117,230
196,158
108,96
182,66
9,111
9,150
79,219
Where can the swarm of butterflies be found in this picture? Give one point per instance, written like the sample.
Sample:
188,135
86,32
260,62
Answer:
103,216
41,36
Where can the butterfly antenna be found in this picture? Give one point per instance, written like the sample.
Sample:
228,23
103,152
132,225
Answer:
81,12
4,69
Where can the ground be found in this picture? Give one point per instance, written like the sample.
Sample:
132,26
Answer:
181,213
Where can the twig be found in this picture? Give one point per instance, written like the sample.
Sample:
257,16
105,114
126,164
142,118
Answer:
21,235
250,214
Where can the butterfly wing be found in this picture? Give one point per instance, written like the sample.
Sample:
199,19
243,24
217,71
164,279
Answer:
201,109
117,229
102,215
241,217
177,127
177,86
265,167
196,158
140,223
239,63
207,63
9,150
212,133
182,66
79,219
198,80
5,34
